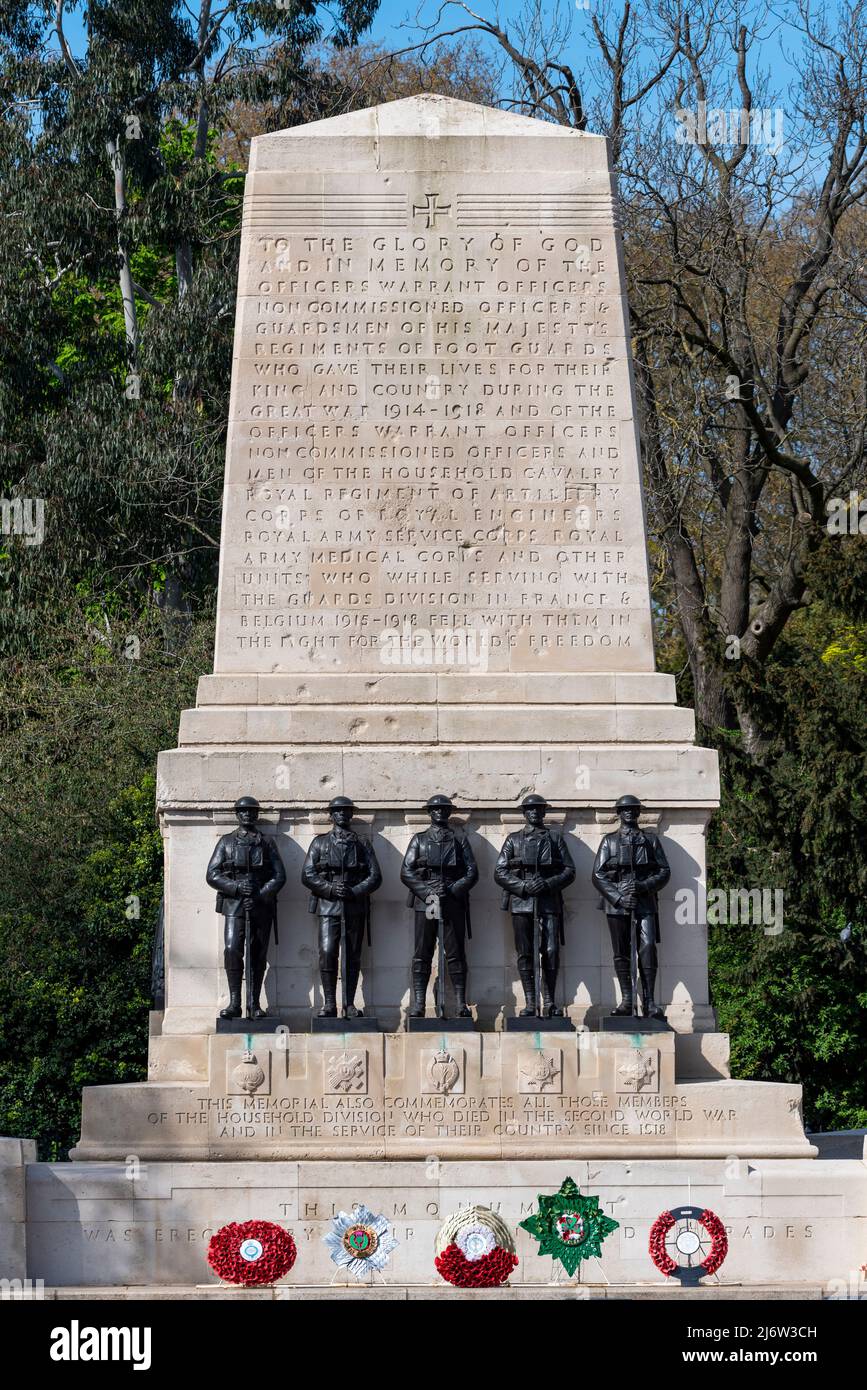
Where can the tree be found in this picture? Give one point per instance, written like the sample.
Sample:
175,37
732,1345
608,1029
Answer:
744,261
82,863
118,267
366,75
795,1004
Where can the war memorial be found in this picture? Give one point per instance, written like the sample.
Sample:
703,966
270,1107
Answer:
428,826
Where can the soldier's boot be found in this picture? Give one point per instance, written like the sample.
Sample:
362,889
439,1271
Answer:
233,1008
256,1010
626,1007
459,985
549,989
349,1009
420,977
647,974
329,994
528,984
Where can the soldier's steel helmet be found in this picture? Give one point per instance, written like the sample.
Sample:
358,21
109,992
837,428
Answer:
340,803
623,803
534,800
439,800
247,803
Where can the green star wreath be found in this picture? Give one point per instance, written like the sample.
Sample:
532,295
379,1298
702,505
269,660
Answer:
568,1226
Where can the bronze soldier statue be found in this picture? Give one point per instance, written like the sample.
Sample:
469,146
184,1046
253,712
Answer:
629,870
248,873
439,870
341,872
533,868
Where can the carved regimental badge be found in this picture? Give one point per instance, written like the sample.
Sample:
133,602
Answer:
637,1070
442,1072
345,1072
541,1071
248,1073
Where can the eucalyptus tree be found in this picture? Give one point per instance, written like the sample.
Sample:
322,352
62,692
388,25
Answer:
117,275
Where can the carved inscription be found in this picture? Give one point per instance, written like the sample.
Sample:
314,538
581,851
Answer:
438,1114
432,429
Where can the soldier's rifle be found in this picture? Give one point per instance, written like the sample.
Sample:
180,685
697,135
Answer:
434,910
340,899
248,961
537,945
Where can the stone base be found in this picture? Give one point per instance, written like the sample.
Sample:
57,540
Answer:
444,1090
433,1293
794,1223
440,1025
534,1024
248,1025
366,1024
633,1024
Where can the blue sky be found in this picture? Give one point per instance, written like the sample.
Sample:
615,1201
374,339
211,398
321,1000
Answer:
780,40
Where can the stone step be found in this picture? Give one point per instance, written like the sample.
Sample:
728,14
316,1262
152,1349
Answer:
494,772
450,687
354,725
436,1293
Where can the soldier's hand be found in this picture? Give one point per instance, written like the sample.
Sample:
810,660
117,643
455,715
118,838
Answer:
437,887
245,887
342,891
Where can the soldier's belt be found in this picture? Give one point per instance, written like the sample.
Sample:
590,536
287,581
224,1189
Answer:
543,870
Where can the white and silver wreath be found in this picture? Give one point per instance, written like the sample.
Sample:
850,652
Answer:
360,1241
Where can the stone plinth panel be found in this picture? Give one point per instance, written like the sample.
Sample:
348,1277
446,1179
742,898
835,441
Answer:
15,1154
792,1222
469,1095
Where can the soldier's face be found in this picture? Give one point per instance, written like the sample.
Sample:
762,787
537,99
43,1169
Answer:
342,817
440,815
534,815
247,817
629,815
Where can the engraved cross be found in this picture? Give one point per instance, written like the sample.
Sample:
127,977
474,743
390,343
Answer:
431,209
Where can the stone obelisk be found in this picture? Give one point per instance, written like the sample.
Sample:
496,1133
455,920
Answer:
434,569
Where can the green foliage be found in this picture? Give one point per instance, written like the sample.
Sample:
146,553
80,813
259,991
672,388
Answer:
82,862
796,1005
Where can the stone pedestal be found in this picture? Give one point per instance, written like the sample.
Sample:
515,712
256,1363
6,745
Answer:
15,1154
446,1092
792,1222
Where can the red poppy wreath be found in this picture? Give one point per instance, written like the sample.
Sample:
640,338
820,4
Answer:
694,1234
251,1252
487,1272
475,1249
